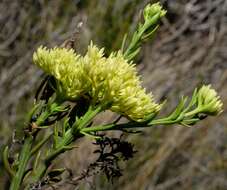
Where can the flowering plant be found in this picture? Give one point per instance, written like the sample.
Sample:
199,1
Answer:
78,88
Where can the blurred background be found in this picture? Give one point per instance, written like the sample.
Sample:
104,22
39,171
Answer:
190,49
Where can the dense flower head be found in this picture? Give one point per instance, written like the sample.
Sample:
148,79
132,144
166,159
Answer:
66,66
110,81
153,9
114,81
209,101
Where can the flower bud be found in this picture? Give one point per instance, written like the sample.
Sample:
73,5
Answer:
208,101
152,10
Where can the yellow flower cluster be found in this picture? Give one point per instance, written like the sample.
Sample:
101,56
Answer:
114,80
208,100
109,81
66,66
152,10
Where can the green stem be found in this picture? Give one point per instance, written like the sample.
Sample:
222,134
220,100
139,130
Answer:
40,144
86,119
70,136
193,112
113,127
134,46
25,155
129,125
23,160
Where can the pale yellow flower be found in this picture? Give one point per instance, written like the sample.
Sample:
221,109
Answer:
110,81
208,100
153,9
114,81
66,66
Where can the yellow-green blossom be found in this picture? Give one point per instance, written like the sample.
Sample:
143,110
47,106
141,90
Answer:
208,100
114,81
110,81
153,9
66,66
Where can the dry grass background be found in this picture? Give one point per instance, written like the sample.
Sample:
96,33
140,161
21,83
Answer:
190,49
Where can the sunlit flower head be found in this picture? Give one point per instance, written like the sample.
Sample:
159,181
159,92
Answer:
66,66
152,10
209,101
114,81
110,81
